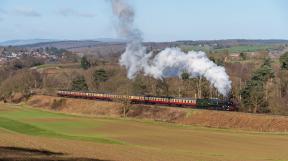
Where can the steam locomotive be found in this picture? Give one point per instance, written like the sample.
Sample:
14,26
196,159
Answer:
207,103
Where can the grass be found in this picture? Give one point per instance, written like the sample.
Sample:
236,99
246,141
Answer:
28,121
67,124
187,48
70,65
233,49
247,48
24,128
145,137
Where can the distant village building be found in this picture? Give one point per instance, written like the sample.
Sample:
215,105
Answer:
234,56
10,53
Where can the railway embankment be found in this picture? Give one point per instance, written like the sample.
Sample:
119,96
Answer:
207,118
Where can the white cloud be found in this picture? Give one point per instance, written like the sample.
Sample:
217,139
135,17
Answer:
28,12
71,12
88,15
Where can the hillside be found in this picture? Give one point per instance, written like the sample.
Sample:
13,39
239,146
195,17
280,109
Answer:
104,48
215,119
67,44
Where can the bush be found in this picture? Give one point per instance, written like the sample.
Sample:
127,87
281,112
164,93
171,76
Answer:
284,61
21,81
100,75
85,64
79,84
243,56
58,103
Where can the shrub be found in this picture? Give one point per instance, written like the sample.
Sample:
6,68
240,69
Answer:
284,61
85,64
58,103
79,84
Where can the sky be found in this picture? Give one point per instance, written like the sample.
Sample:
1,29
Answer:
158,20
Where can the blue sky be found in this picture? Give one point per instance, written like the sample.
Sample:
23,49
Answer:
159,20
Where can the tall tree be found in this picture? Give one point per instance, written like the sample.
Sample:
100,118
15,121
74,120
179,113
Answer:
162,88
283,83
254,95
284,61
79,84
139,86
243,56
185,75
100,75
85,64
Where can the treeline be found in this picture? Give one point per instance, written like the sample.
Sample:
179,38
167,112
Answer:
267,90
261,88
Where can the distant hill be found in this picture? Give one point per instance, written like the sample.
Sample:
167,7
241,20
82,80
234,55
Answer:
103,46
39,42
24,42
236,42
71,44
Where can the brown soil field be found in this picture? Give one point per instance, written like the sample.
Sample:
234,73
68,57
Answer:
207,118
163,144
144,140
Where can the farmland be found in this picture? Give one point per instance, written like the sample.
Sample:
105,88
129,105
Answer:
232,49
116,138
248,48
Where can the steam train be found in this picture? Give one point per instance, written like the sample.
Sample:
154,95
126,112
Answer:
212,103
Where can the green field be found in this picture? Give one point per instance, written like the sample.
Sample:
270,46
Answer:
233,49
247,48
39,123
70,65
113,139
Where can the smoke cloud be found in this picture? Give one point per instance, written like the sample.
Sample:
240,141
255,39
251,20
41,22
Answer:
135,52
170,62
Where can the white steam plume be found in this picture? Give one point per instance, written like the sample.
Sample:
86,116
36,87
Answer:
133,56
169,62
